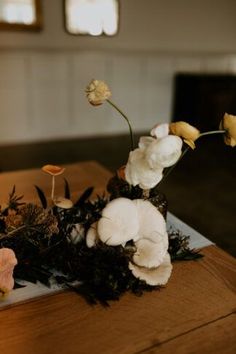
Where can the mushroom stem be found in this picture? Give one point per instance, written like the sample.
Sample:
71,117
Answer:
53,188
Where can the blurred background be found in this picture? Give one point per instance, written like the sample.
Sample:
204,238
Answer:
170,60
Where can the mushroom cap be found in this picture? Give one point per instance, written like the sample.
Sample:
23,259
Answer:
92,235
63,203
152,243
119,222
153,276
53,170
149,254
152,222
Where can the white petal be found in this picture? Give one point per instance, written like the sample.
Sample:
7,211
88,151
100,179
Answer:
164,152
138,172
144,142
153,276
119,222
92,235
160,130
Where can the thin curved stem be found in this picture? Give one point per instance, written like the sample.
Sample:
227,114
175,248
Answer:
127,120
212,132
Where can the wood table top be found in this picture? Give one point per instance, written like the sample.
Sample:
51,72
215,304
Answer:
194,313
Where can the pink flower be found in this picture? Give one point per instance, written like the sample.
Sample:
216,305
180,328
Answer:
7,263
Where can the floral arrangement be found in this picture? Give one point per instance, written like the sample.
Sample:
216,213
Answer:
106,246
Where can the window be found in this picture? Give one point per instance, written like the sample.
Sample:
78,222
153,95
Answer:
20,14
92,17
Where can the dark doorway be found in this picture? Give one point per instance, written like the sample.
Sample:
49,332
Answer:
202,99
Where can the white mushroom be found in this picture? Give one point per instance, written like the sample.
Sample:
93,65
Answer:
152,243
153,276
152,222
119,222
63,203
149,254
92,235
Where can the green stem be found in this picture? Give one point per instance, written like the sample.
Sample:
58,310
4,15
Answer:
128,122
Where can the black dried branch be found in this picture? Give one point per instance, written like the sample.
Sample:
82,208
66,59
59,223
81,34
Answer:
84,197
67,193
42,197
14,200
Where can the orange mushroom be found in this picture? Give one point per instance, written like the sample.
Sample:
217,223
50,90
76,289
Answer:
53,170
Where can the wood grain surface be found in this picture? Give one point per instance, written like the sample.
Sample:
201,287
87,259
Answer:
194,313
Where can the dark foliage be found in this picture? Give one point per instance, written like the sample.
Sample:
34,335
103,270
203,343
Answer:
41,241
42,197
179,247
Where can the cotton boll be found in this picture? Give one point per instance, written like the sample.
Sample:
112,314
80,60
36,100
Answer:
119,222
164,152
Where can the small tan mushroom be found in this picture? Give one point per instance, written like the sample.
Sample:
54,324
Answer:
153,276
63,203
119,222
92,235
53,170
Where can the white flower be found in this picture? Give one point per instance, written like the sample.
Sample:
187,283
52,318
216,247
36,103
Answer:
153,276
119,222
164,152
160,130
145,141
138,172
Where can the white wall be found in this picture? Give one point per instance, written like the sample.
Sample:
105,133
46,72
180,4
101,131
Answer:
43,75
163,25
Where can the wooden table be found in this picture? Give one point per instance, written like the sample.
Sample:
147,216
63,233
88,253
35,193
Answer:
195,313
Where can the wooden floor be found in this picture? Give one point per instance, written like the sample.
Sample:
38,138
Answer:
201,190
